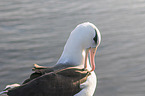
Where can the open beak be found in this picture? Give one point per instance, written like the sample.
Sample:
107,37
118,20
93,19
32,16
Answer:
92,52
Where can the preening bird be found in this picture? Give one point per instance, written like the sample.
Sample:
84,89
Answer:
72,75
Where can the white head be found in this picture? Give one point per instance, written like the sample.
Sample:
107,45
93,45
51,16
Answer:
84,38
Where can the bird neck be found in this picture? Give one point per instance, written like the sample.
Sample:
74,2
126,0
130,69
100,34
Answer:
73,54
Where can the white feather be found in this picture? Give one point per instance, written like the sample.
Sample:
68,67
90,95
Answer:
8,87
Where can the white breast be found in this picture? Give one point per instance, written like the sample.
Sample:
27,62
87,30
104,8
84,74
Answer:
89,86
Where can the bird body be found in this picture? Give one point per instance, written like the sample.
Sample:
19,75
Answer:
73,74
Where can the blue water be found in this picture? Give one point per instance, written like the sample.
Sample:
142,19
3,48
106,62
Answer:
35,32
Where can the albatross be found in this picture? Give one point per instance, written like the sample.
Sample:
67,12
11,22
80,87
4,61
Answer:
72,75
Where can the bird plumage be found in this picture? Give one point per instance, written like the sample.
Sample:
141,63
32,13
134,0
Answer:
64,82
72,75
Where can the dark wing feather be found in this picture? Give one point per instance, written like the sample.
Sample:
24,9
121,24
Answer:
65,82
38,73
41,70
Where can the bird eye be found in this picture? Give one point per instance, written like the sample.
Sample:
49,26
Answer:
96,37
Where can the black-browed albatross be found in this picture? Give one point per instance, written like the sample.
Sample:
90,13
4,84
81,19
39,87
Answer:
72,75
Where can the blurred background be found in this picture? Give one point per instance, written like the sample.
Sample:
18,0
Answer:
35,31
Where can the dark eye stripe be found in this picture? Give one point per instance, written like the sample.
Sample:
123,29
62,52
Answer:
96,37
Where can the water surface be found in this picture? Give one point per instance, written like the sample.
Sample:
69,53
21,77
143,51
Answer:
35,32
